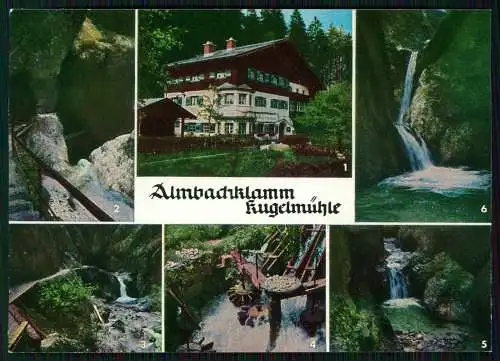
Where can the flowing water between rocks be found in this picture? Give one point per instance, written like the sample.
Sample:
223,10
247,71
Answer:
428,192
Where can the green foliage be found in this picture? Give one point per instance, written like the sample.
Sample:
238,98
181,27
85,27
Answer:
37,40
65,296
273,24
184,236
237,163
459,93
156,297
353,328
297,32
410,29
169,36
328,118
156,38
209,110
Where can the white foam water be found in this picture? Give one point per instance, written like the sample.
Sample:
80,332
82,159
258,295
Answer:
442,180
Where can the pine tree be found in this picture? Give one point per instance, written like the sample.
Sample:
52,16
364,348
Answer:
319,47
273,24
339,65
251,28
298,33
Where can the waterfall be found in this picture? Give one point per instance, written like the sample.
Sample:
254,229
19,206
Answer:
397,284
396,261
416,149
124,297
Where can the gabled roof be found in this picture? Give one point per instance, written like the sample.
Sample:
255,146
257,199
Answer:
145,102
164,106
227,53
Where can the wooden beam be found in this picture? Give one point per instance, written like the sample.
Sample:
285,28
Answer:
16,335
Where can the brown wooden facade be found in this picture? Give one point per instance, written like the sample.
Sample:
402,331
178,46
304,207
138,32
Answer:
281,58
158,118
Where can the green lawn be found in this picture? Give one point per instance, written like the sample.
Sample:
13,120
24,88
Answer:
209,163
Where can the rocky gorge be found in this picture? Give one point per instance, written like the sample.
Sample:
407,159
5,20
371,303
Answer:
74,88
410,289
423,116
89,288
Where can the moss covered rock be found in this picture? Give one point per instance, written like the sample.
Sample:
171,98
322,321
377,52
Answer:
451,106
448,291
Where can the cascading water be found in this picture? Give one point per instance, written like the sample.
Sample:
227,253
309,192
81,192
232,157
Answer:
396,261
415,146
425,175
124,297
220,325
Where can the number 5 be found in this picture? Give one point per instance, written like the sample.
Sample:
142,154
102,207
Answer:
484,344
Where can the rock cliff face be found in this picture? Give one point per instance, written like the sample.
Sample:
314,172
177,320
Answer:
379,153
96,88
451,107
61,62
452,93
108,182
450,273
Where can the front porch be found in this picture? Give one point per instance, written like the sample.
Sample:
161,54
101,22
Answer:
260,128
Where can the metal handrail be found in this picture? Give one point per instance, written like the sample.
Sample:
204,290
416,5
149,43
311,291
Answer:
93,208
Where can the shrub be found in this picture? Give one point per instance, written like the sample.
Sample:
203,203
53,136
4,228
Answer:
353,328
64,296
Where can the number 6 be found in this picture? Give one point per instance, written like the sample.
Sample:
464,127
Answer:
484,209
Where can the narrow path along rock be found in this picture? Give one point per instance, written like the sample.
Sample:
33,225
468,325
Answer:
20,206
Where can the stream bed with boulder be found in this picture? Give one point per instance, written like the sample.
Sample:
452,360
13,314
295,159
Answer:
410,288
86,288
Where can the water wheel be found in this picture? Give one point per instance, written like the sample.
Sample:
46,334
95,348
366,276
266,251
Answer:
239,295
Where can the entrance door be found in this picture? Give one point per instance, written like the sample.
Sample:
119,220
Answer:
282,129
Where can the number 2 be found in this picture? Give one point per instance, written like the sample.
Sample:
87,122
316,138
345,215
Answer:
117,208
